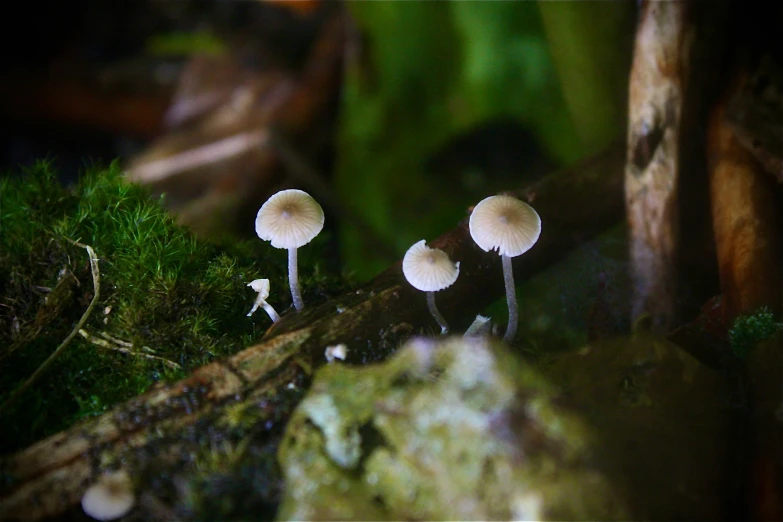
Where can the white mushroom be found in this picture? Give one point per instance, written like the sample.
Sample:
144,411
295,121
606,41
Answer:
290,219
339,351
430,270
481,326
109,498
511,227
262,287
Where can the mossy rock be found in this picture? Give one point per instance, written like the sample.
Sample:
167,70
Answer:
462,429
163,293
458,430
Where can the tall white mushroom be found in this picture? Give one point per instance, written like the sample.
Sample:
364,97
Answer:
430,270
290,219
511,227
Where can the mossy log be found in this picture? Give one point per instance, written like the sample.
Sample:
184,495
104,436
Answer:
163,429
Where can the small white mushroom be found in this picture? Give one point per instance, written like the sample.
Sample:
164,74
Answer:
339,351
511,227
109,498
430,270
262,287
290,219
481,326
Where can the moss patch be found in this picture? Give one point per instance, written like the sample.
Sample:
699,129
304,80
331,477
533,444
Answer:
749,330
163,293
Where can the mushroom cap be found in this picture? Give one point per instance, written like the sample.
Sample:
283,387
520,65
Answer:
261,286
428,269
289,219
505,224
111,497
339,351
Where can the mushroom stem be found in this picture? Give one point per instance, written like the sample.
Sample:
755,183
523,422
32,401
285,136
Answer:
271,312
444,327
293,279
511,297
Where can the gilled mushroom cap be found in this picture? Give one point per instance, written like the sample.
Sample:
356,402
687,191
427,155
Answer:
428,269
289,219
505,224
109,498
261,286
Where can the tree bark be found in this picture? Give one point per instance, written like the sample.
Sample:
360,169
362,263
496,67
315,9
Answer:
746,223
165,426
749,236
652,174
677,63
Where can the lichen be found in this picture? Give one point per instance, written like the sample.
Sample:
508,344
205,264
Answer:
454,429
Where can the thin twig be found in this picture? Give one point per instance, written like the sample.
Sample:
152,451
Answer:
113,339
96,281
119,346
123,343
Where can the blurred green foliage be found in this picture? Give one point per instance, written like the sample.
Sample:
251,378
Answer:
431,70
186,44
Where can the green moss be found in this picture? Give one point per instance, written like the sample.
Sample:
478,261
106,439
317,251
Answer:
749,330
162,291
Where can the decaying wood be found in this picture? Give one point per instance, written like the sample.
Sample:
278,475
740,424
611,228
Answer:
755,114
748,225
749,237
656,97
746,222
678,61
49,477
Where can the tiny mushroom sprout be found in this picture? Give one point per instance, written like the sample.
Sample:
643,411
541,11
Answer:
430,270
290,219
262,287
511,227
338,351
111,497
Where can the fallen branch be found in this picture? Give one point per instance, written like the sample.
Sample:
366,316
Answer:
165,426
121,346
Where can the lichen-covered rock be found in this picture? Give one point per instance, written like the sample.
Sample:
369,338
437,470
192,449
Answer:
631,428
458,429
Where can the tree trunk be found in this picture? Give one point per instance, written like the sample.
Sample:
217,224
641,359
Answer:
677,61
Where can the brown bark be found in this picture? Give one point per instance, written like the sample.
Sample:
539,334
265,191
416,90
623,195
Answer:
746,224
749,238
755,114
49,478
